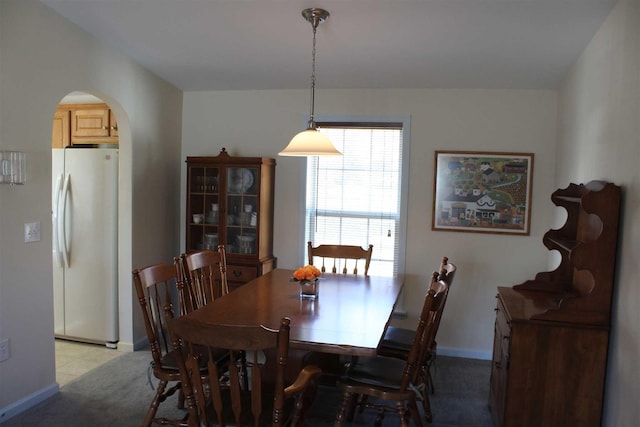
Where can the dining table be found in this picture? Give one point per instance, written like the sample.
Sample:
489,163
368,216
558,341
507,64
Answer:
348,316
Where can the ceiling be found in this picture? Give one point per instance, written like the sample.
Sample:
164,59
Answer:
266,44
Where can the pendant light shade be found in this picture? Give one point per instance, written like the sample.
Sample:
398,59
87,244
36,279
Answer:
311,142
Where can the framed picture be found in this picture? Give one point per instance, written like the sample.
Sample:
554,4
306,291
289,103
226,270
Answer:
482,192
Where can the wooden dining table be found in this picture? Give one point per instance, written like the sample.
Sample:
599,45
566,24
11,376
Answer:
348,316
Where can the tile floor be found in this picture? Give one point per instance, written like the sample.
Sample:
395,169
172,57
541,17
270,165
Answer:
74,359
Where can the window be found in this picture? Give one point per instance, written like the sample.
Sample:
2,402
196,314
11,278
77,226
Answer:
360,198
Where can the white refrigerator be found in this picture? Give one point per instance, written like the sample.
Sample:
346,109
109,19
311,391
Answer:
85,244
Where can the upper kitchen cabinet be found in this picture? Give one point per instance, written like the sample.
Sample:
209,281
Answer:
83,124
60,132
93,123
230,202
113,125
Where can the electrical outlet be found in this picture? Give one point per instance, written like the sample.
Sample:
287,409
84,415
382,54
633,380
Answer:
31,232
4,349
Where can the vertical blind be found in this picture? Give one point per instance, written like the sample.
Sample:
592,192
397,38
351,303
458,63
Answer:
355,199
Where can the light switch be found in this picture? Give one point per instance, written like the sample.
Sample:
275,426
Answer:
31,232
4,349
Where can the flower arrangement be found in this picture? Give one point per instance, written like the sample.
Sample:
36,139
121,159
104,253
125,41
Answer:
306,274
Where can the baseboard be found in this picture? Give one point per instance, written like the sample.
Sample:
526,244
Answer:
28,402
466,354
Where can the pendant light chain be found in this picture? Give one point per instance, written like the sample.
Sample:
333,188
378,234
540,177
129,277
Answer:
312,122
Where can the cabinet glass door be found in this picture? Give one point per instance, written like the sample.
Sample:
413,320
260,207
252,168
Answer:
203,204
242,210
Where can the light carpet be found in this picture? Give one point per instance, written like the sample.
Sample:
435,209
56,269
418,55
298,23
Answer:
118,394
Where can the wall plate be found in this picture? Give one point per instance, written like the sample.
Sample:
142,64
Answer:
31,232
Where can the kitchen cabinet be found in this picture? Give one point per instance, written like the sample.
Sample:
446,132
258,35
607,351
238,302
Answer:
61,130
83,124
93,123
230,202
551,333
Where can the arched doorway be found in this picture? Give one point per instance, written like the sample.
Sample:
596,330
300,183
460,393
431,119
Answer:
85,176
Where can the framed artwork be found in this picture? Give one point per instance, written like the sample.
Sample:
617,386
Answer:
482,192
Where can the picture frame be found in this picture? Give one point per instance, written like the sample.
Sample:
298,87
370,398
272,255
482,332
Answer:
482,192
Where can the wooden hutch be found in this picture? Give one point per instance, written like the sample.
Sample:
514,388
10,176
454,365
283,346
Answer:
230,202
552,332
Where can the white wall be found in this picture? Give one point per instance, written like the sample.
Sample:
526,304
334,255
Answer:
599,138
261,123
44,57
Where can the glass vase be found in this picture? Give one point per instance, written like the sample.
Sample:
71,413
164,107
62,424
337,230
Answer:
309,289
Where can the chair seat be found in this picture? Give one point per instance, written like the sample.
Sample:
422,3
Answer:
399,339
377,371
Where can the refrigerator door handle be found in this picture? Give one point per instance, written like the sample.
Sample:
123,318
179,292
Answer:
62,232
56,221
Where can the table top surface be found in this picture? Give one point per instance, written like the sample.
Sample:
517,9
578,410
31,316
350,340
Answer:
349,315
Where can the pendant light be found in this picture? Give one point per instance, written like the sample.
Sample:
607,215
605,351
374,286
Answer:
311,142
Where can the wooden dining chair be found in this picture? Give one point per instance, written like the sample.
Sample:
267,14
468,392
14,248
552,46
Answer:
156,286
341,255
225,399
203,276
388,379
397,341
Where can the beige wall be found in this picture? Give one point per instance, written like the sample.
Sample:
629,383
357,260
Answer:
262,122
43,58
599,138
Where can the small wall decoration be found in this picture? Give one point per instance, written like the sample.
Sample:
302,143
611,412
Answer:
484,192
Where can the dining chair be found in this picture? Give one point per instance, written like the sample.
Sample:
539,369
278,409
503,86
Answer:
227,400
397,341
203,276
156,286
341,255
332,364
389,380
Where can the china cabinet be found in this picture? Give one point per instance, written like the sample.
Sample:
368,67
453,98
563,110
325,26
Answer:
551,333
230,202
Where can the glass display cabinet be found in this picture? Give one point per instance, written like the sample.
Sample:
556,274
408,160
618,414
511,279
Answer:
230,202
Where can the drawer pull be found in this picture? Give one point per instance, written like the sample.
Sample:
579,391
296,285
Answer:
237,273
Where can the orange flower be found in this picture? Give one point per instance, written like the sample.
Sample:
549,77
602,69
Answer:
306,273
